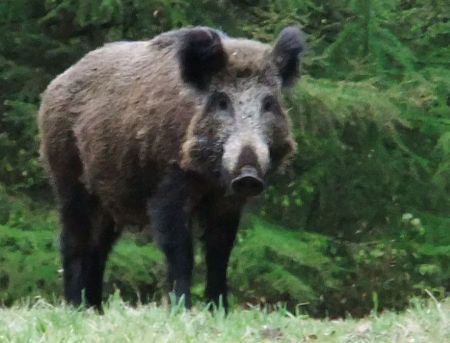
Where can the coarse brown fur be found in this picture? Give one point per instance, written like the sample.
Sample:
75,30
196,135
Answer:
120,118
124,111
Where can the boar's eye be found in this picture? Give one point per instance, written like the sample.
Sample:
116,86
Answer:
221,101
268,103
223,104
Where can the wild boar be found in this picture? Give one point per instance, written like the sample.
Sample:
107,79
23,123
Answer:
186,125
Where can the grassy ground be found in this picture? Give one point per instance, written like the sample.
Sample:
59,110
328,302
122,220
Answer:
120,323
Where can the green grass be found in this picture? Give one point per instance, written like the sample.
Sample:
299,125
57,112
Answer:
43,322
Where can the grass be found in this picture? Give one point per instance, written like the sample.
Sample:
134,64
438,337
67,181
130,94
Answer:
43,322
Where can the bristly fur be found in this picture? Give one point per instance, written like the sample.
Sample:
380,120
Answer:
126,112
133,123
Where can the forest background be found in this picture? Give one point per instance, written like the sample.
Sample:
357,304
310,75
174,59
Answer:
360,220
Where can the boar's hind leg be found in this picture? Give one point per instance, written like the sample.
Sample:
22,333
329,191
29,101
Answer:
220,220
86,239
75,239
104,236
170,219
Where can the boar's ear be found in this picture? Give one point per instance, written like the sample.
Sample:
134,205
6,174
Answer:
201,55
289,45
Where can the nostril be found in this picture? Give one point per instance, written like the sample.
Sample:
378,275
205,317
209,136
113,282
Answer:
247,183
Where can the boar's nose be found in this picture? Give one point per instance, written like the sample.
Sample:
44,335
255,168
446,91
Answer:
247,183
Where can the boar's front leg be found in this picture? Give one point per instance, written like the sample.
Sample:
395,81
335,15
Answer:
170,219
220,220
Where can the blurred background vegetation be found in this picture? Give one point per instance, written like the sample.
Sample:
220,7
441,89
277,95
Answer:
361,219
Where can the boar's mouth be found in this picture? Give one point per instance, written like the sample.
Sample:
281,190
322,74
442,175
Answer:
248,182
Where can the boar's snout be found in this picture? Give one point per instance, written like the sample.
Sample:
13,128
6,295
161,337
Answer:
247,182
247,163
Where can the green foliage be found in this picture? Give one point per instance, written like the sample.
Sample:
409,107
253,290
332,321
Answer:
296,267
338,276
137,270
362,161
362,213
21,253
